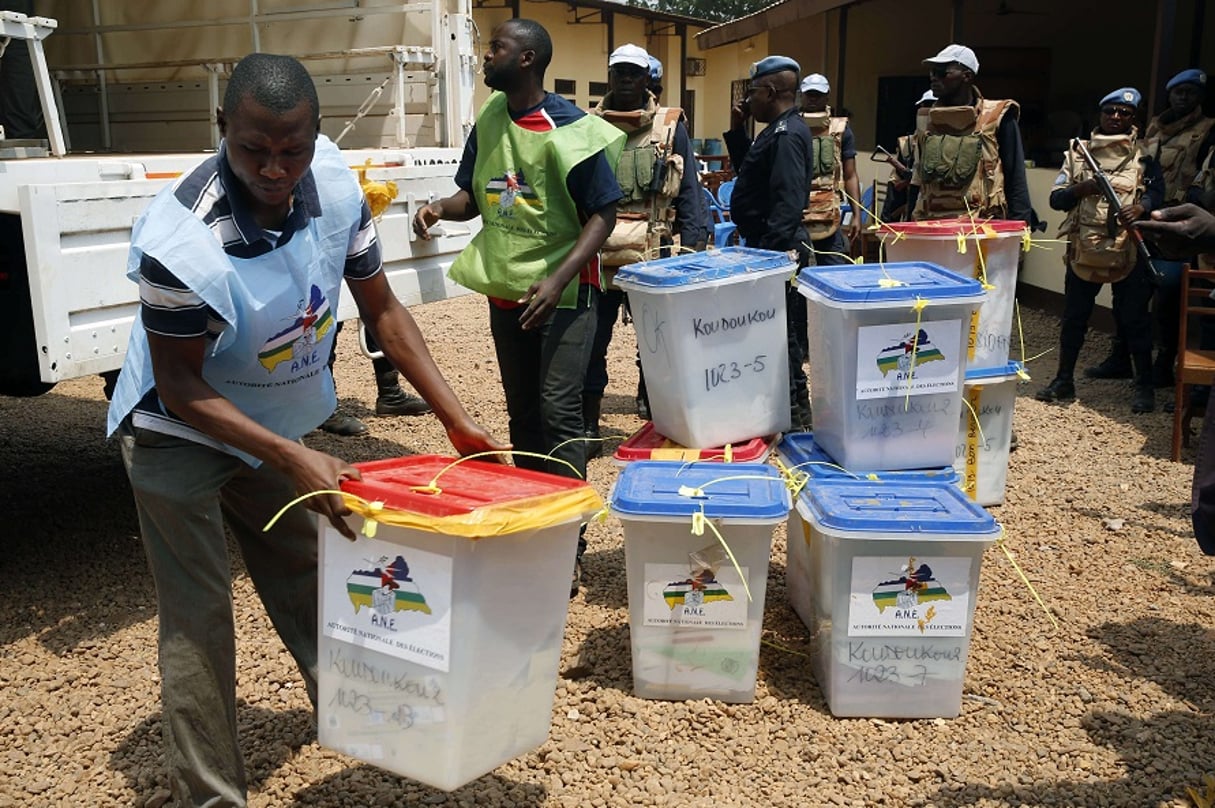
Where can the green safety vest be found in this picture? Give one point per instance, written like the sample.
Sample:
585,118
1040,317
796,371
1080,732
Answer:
529,221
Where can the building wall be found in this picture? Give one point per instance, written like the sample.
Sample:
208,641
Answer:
724,66
581,51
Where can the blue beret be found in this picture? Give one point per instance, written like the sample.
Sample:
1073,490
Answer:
774,64
1127,96
655,69
1191,76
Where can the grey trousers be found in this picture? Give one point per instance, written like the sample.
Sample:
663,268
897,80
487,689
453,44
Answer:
185,493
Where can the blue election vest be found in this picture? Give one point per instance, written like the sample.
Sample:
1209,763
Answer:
271,361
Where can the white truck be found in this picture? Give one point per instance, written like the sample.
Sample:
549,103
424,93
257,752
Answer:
66,304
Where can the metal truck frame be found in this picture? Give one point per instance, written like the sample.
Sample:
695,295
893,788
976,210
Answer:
65,301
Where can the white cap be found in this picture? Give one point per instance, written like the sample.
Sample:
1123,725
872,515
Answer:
630,55
815,83
928,95
956,53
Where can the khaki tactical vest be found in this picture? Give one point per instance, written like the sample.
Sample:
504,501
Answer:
904,151
649,174
958,167
822,214
1204,184
1093,253
1175,145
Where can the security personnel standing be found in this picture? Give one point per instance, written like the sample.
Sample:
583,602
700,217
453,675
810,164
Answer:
970,157
1095,256
661,205
774,172
834,167
894,208
1180,138
655,78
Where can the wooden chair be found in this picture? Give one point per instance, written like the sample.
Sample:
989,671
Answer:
1194,365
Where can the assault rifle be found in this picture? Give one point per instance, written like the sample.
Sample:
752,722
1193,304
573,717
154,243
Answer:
659,178
880,155
1115,205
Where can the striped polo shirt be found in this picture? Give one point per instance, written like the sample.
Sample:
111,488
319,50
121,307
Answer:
170,308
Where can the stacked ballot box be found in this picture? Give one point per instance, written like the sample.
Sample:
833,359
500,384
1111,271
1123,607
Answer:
885,542
711,334
887,361
803,461
988,251
985,431
697,542
895,572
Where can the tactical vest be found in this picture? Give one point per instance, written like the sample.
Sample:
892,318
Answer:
822,214
649,173
1175,145
1093,253
904,151
959,160
1204,185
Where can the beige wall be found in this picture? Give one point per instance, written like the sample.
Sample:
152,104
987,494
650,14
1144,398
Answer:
724,65
581,51
1095,46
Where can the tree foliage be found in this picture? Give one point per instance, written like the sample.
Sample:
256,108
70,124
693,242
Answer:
715,10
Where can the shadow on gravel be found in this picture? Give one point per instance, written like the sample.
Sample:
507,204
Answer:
617,404
604,658
69,527
1164,752
359,448
603,577
269,738
1155,519
367,785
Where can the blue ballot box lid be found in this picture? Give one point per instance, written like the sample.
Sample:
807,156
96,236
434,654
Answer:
895,511
898,283
752,492
704,267
798,452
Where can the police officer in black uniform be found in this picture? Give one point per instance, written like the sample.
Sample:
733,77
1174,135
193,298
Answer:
771,191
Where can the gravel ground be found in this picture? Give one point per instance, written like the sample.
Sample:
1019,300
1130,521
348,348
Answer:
1114,708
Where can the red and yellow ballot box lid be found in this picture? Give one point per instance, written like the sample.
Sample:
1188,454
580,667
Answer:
958,226
648,444
470,498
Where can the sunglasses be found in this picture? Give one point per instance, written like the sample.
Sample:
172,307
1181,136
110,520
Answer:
939,71
754,88
1117,112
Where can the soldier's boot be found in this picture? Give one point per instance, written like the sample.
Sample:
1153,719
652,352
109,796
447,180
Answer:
393,400
1115,366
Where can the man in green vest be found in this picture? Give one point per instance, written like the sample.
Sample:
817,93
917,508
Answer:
539,172
662,204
